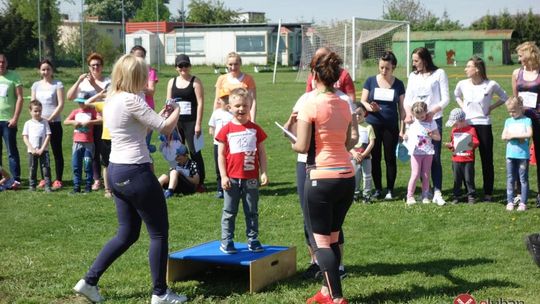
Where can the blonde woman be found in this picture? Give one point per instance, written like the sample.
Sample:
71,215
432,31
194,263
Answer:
137,193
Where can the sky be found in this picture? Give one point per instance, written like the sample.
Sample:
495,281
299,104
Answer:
466,11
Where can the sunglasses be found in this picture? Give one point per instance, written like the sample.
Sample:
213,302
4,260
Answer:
183,65
95,65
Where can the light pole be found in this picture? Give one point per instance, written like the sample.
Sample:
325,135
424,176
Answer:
123,28
157,32
39,27
82,36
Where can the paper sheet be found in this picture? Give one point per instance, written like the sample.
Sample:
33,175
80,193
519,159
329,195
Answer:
287,132
462,142
529,99
198,142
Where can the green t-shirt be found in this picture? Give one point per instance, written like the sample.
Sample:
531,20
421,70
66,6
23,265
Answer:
8,97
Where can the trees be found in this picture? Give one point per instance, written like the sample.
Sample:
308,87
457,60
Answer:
16,36
147,12
526,26
418,16
209,12
111,10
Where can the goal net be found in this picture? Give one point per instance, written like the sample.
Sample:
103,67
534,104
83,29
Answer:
359,42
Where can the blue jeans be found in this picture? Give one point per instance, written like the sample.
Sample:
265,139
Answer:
81,158
10,139
436,167
248,191
517,169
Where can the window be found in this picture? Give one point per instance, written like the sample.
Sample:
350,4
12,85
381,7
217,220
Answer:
137,41
431,48
171,47
189,44
478,48
250,44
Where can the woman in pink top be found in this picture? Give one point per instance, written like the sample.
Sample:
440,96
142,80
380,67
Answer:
324,132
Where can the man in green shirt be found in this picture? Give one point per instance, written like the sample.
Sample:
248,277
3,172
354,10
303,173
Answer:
11,101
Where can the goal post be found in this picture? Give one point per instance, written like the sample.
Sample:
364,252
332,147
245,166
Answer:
360,42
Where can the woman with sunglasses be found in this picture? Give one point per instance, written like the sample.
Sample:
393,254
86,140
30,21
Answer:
91,84
188,92
235,78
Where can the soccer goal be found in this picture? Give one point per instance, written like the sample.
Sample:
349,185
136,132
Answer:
360,42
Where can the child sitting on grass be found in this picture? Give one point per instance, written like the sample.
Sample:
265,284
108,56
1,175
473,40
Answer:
183,178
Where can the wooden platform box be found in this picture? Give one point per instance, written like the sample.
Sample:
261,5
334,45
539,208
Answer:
273,264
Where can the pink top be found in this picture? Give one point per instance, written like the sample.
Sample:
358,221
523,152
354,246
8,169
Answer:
345,83
128,117
152,76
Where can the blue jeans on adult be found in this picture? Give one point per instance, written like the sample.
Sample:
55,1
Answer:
10,139
436,167
246,190
81,159
517,169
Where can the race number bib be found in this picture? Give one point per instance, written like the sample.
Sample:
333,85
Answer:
185,107
363,137
3,90
245,141
383,94
529,99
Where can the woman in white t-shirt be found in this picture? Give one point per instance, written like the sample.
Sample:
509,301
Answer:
475,96
429,84
50,92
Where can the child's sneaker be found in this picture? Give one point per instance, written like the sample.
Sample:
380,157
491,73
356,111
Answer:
366,199
88,291
41,184
15,185
510,206
356,196
255,246
168,193
219,194
426,200
471,200
521,207
411,201
57,185
377,194
170,297
228,248
320,298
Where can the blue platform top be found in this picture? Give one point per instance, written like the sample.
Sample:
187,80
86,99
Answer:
209,252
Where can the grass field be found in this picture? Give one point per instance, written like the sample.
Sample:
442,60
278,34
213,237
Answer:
394,253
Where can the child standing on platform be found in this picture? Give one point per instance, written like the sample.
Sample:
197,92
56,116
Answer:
241,155
419,139
361,156
37,135
517,131
220,117
463,142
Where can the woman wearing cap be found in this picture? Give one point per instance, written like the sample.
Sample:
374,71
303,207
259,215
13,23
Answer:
475,96
137,193
235,78
188,92
90,84
429,84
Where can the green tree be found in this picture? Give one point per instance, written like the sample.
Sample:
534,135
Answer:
111,10
147,12
93,42
418,16
16,36
210,12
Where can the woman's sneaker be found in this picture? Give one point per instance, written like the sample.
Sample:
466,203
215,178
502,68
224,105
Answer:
56,185
438,199
170,297
90,292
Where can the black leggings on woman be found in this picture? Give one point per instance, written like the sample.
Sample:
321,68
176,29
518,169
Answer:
56,147
485,137
387,135
324,213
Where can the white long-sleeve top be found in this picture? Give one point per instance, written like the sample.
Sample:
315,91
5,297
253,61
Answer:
127,116
431,89
477,98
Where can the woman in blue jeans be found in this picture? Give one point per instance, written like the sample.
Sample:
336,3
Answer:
137,192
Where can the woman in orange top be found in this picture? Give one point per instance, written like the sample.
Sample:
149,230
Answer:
324,132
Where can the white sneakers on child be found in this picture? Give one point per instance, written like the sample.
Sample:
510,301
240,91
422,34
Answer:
88,291
170,297
438,199
411,200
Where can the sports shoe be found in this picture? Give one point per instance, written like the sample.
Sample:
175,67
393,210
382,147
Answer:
356,196
342,273
377,194
366,199
15,184
312,272
41,184
96,185
532,241
170,297
152,148
521,207
219,194
538,201
90,292
320,298
510,206
255,246
411,201
228,248
108,193
488,198
57,185
168,193
388,196
438,199
471,200
454,201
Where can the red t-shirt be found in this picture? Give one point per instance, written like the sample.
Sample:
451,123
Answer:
345,83
241,141
83,134
467,155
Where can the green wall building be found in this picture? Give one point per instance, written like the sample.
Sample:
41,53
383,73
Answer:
456,47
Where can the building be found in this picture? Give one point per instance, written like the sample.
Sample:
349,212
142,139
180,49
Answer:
249,17
456,47
209,44
69,31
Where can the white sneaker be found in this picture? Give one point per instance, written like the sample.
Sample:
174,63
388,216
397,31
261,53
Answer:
438,199
411,201
388,196
426,200
88,291
170,297
521,207
509,206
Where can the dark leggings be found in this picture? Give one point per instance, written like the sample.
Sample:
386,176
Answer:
138,197
96,163
534,116
485,137
56,147
387,135
324,212
188,129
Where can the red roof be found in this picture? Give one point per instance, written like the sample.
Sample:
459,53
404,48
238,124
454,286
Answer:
160,26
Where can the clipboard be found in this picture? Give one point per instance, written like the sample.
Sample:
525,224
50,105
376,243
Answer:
287,132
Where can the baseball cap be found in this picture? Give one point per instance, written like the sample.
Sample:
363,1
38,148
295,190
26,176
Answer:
223,93
82,97
456,115
182,58
181,150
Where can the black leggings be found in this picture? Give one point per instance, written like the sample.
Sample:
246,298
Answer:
188,129
324,212
387,135
485,137
56,146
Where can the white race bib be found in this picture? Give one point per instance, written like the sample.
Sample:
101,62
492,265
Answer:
245,141
363,137
529,99
383,94
185,107
3,90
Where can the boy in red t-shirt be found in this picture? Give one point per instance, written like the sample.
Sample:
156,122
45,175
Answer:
463,141
83,119
241,155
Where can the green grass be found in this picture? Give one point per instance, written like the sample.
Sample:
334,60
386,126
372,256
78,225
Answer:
394,254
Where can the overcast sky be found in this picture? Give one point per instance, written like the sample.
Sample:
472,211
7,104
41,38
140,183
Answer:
466,11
